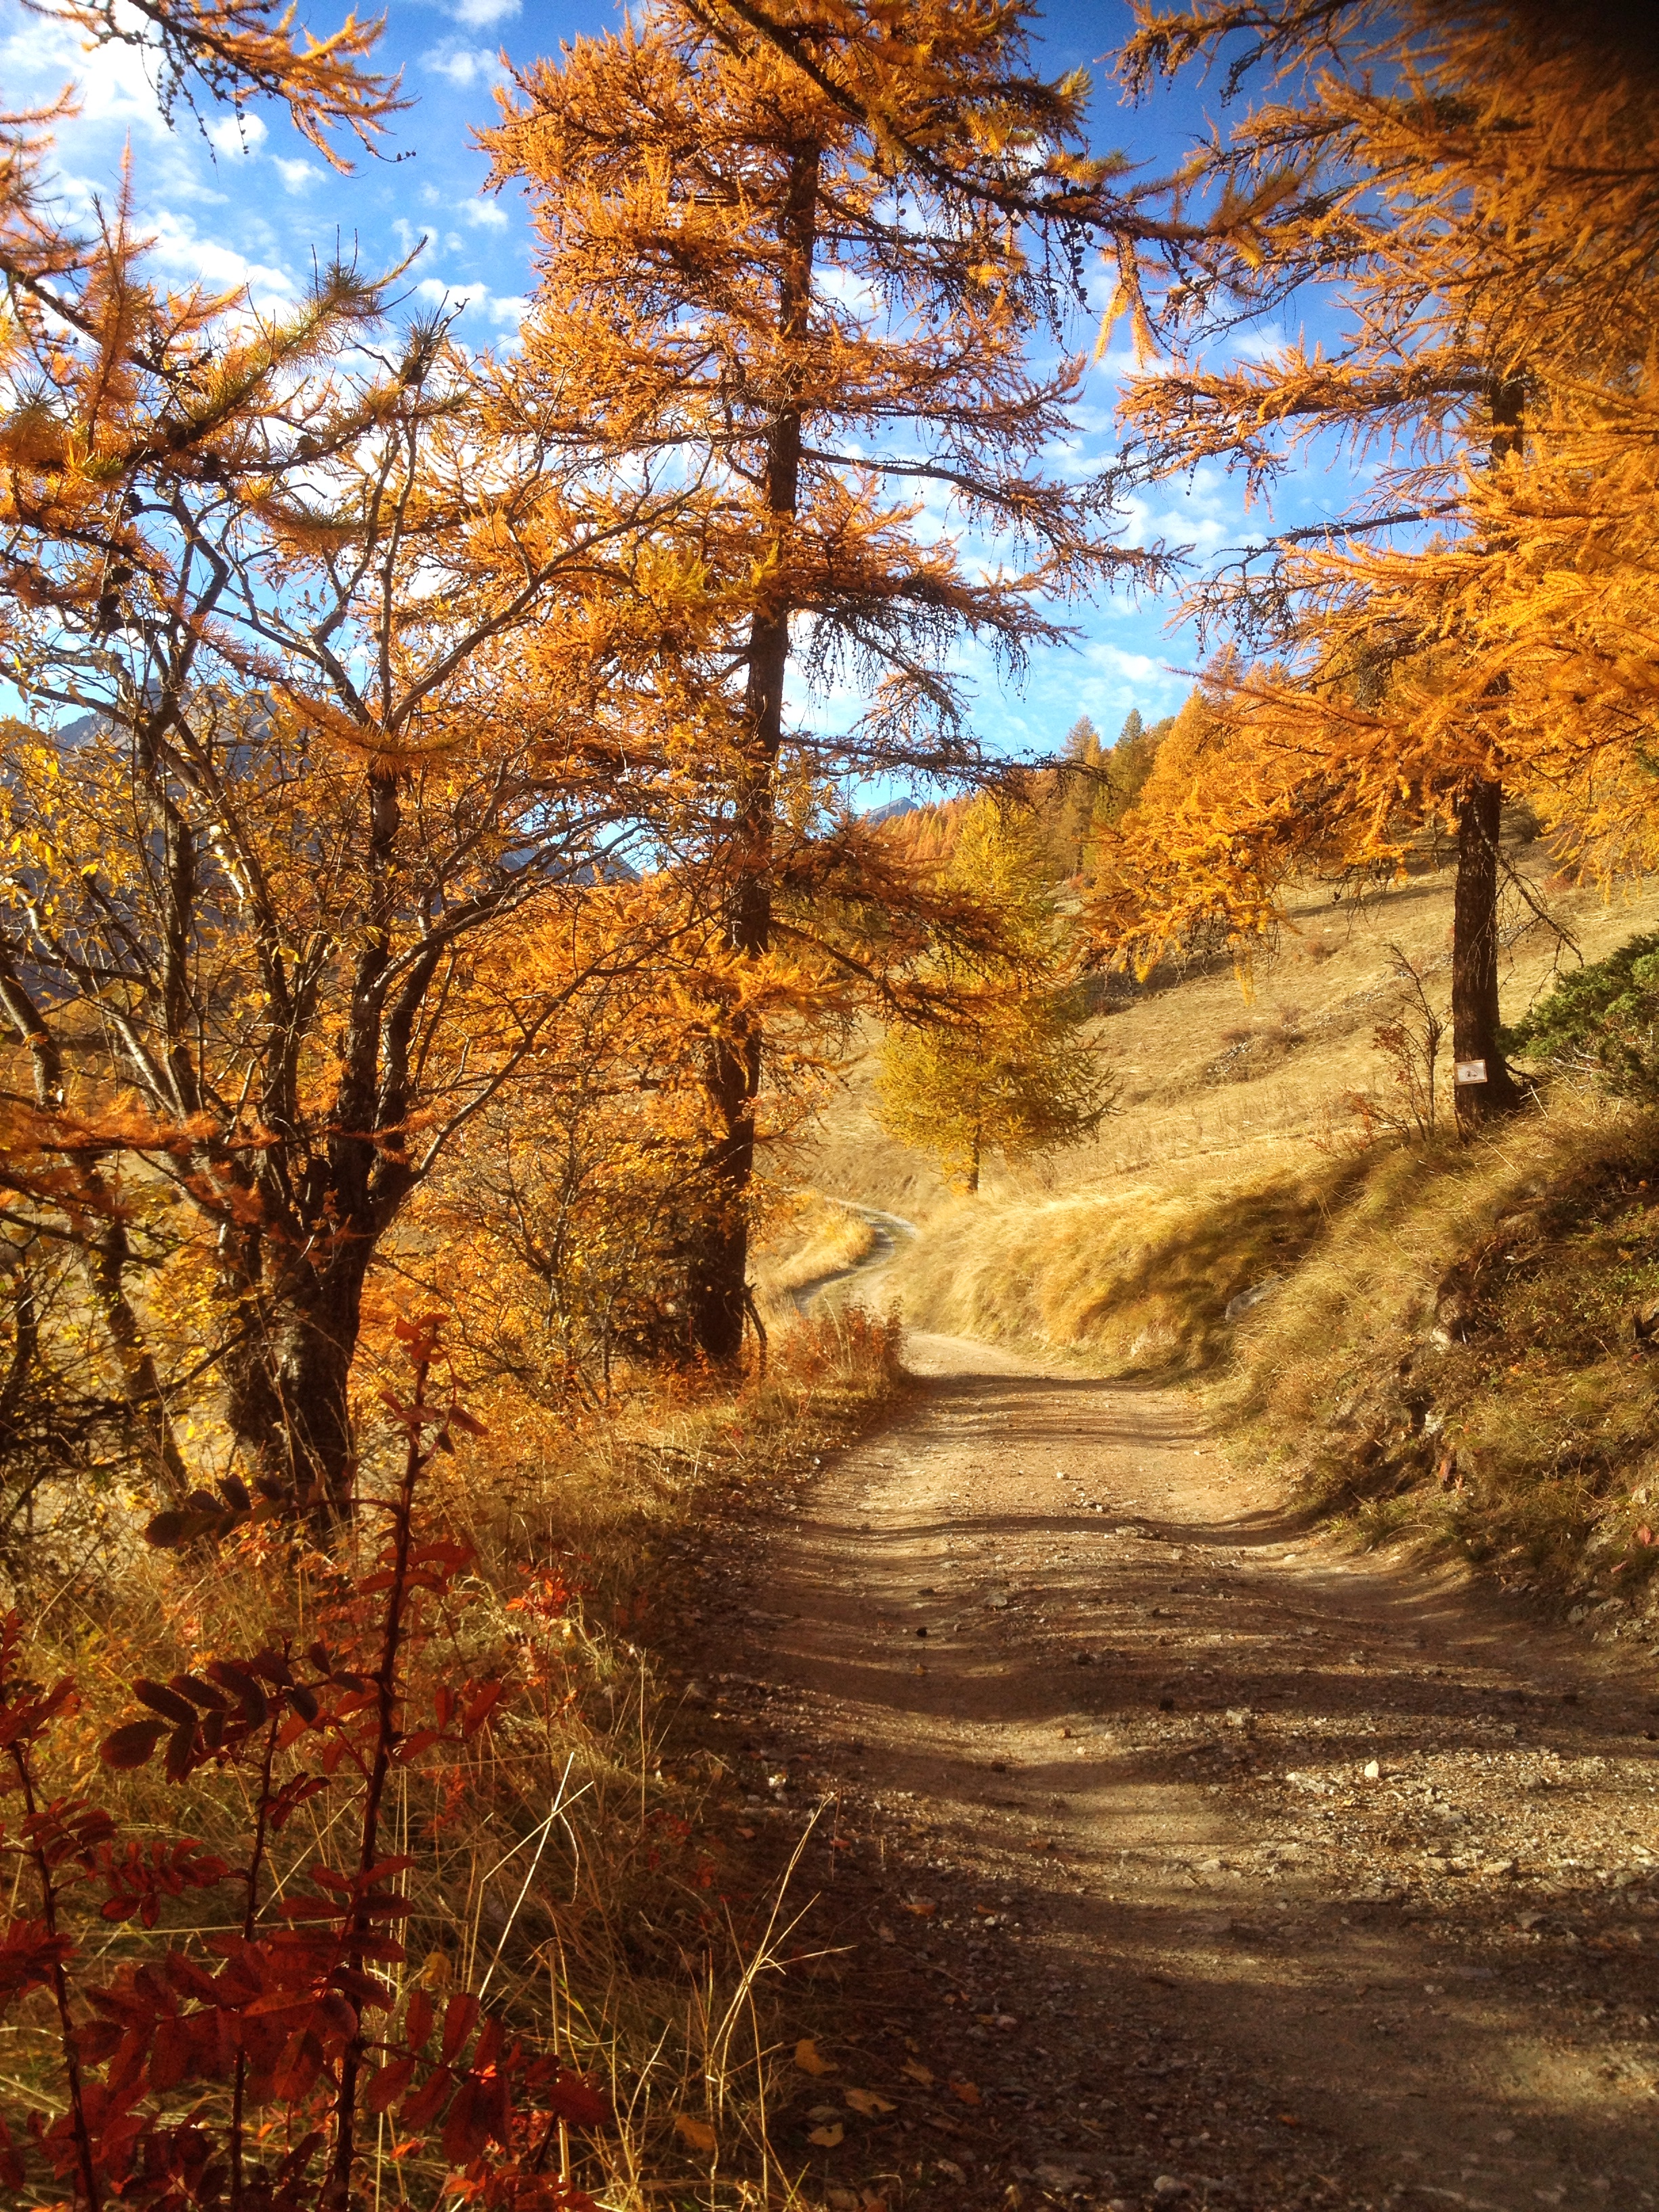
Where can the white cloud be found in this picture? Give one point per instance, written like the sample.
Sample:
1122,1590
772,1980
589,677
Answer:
507,309
299,176
209,262
237,134
440,294
110,80
486,215
1261,345
463,65
478,14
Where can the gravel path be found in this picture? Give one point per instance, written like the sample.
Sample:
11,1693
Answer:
1191,1858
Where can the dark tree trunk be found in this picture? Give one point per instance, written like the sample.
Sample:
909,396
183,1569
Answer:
1475,961
288,1402
718,1288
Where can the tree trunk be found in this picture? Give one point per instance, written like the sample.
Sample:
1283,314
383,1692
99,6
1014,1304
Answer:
1474,962
717,1291
288,1404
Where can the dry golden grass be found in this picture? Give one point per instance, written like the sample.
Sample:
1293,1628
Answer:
1305,1027
814,1238
1236,1160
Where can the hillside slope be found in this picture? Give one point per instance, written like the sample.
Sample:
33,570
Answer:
1433,1340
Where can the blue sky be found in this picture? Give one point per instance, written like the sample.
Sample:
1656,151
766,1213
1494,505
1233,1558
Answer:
231,206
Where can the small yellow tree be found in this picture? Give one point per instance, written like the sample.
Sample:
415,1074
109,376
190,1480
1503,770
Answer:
1000,1066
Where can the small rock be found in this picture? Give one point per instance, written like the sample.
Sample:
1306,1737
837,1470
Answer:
1066,2178
1166,2188
1373,1771
1253,1297
696,1694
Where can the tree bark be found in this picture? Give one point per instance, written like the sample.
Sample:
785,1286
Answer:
287,1403
717,1289
1475,961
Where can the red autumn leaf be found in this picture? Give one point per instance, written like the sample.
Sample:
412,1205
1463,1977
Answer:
389,2084
480,1707
301,2062
97,2040
418,2111
485,2050
132,1745
460,2018
28,1954
162,1700
413,1746
466,2128
169,2053
417,2021
181,1747
578,2102
336,2013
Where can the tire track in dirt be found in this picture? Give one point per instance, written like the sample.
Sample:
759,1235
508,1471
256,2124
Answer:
1216,1864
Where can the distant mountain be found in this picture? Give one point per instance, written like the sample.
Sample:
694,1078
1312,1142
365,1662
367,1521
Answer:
891,811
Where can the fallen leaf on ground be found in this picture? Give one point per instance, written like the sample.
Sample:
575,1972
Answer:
884,1933
917,2072
923,1907
868,2102
829,2136
695,2134
967,2091
810,2060
823,2112
1040,1844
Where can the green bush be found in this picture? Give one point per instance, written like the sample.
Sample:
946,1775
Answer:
1602,1022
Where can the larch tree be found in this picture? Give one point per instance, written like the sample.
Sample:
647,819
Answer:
1469,189
285,808
801,260
1002,1065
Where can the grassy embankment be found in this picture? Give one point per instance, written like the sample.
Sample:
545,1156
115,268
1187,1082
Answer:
1445,1354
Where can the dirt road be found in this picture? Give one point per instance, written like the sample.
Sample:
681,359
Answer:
1207,1861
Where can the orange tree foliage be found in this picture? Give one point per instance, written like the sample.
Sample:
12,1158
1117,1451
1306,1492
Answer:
262,879
239,51
1473,183
795,260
